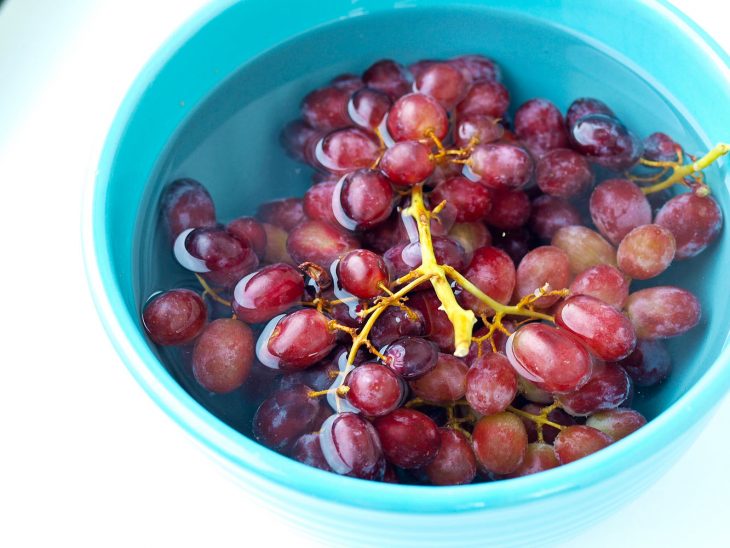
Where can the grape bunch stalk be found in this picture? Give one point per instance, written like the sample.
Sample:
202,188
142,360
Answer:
436,309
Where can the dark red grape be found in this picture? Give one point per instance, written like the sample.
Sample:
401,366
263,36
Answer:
411,357
286,213
407,163
326,108
563,173
319,376
538,458
318,202
646,251
492,271
472,200
410,439
659,147
663,311
510,209
617,423
500,166
476,68
395,323
584,107
351,446
346,150
455,463
585,247
649,363
576,442
605,141
223,355
362,273
413,115
187,204
299,140
487,98
500,442
443,82
608,388
368,107
249,230
558,416
445,383
389,77
601,327
374,389
174,317
491,384
540,126
604,282
348,82
319,242
549,358
308,450
543,265
284,417
550,214
362,199
617,207
267,293
695,222
471,129
298,340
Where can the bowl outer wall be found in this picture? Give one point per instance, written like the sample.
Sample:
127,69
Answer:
273,472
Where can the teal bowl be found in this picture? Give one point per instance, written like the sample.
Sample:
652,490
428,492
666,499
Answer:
209,105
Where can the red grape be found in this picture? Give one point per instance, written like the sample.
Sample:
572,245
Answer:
540,126
443,82
472,200
326,108
663,311
298,340
584,107
362,199
500,166
374,389
510,209
617,423
347,81
347,149
407,163
604,282
267,293
558,416
362,273
695,222
388,77
308,450
187,204
649,363
659,147
411,357
563,173
491,384
487,98
285,416
286,213
247,229
319,242
538,458
646,251
174,317
318,202
608,388
576,442
395,323
543,265
549,358
368,107
550,214
410,439
476,68
492,271
445,383
605,141
299,140
223,355
351,446
500,442
477,128
437,326
413,115
455,463
617,207
606,331
585,248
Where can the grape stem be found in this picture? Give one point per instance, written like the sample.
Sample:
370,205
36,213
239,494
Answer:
680,170
207,290
540,420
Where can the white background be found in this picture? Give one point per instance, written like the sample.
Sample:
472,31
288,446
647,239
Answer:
86,458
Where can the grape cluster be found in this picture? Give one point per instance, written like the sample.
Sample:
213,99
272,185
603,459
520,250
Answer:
451,299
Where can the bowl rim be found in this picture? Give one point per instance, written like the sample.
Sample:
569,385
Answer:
254,460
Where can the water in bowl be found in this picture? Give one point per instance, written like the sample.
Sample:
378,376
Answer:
230,143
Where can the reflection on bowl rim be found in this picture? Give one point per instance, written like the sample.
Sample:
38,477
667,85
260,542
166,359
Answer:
254,460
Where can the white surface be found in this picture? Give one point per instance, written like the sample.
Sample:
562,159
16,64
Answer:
86,458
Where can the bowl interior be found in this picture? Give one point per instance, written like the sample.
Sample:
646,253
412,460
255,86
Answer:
215,112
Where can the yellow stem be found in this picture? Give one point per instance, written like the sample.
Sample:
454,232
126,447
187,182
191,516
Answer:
679,171
539,420
210,291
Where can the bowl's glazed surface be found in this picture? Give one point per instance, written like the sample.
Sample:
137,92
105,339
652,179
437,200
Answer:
209,106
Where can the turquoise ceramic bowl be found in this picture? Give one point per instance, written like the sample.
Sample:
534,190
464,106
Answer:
209,104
